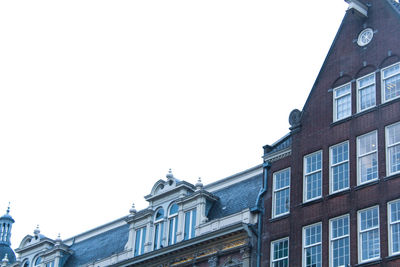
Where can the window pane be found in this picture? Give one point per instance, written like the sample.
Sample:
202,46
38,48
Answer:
281,192
143,240
367,157
193,223
395,226
282,202
391,71
343,90
173,210
340,168
280,253
137,242
282,179
367,143
393,148
343,107
367,97
313,162
369,234
340,242
187,225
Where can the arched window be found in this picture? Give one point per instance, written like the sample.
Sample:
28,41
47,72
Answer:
26,263
172,224
158,229
38,261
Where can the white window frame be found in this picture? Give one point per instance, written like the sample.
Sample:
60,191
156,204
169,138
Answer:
331,165
360,88
173,217
161,231
307,174
315,244
191,233
390,223
143,230
335,99
383,82
275,191
367,154
272,251
370,229
388,162
337,238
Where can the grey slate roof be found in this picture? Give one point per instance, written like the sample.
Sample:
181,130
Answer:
99,246
5,249
236,197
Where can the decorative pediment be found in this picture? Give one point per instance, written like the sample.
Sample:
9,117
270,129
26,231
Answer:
162,187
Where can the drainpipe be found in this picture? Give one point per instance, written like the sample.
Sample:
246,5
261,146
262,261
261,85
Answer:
258,208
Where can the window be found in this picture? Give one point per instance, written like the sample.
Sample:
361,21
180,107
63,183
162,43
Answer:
367,157
312,246
159,229
313,176
280,253
140,240
172,224
38,261
393,149
366,92
342,102
281,197
391,82
339,167
368,234
394,227
50,264
339,241
190,224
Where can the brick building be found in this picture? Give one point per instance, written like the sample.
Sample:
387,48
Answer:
333,188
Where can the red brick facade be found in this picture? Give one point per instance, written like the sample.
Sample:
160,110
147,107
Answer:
346,62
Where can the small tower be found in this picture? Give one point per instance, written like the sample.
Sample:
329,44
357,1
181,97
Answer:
6,222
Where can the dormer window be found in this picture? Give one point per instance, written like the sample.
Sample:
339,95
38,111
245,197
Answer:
172,224
158,229
140,241
342,102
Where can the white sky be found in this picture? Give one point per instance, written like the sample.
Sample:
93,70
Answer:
98,99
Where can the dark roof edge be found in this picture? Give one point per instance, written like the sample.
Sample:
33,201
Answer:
395,5
324,63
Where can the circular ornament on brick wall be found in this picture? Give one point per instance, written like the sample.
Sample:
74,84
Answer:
365,37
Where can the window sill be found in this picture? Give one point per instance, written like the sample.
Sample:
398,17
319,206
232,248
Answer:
279,217
392,176
358,114
336,194
361,186
393,257
368,263
311,202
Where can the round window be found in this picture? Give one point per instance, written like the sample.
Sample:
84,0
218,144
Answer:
365,37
